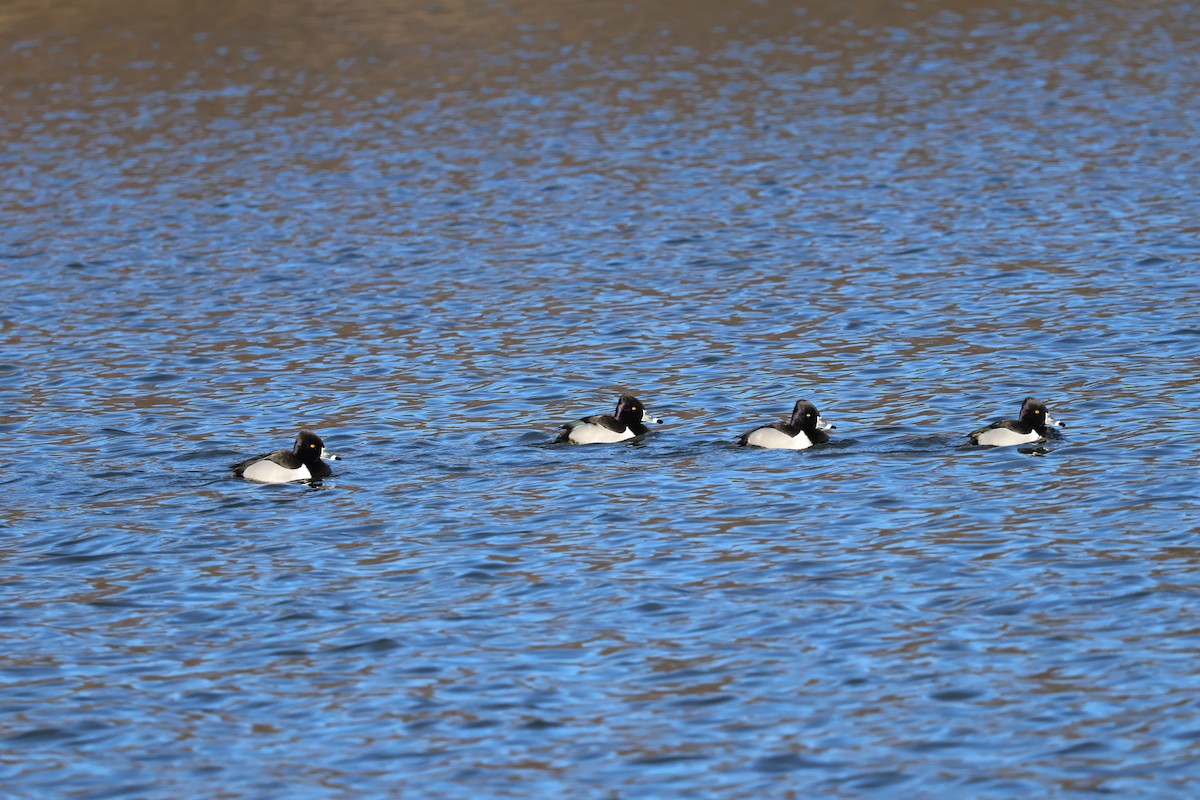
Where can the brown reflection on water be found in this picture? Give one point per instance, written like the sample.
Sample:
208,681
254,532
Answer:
416,47
63,61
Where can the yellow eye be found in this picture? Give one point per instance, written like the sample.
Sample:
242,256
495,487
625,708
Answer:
313,446
808,415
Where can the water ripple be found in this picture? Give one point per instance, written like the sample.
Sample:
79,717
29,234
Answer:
435,237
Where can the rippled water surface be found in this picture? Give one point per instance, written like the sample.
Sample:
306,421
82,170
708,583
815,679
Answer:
434,232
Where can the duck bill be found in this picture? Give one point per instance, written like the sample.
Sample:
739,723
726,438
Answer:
646,417
1051,422
822,425
328,456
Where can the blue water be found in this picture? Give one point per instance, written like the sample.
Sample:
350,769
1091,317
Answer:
436,234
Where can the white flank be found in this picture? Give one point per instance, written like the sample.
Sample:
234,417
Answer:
775,439
591,433
269,472
1003,437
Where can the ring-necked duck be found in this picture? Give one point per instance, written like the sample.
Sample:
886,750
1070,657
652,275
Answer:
624,423
805,429
1031,427
302,462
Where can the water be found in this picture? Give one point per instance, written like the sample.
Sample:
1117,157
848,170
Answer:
434,234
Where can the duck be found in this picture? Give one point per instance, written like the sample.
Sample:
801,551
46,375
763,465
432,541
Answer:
305,461
627,421
803,430
1032,426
